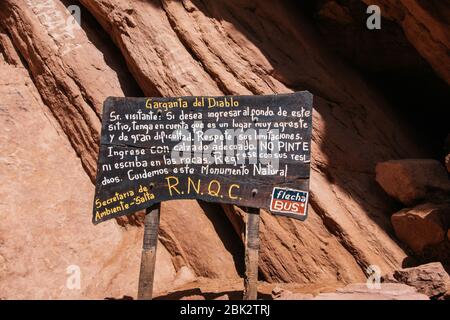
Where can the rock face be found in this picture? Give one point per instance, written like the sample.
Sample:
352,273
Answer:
430,279
182,48
208,248
393,56
425,24
75,96
413,180
44,204
422,226
74,91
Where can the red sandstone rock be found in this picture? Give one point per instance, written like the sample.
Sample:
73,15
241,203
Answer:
358,291
387,291
44,211
283,294
207,47
74,92
412,180
194,242
430,279
421,226
72,76
86,93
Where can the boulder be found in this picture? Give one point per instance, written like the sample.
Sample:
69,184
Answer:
412,180
430,279
421,226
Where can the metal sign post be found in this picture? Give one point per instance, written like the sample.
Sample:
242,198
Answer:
251,254
148,259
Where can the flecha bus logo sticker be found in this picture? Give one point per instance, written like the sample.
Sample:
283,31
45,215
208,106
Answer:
289,202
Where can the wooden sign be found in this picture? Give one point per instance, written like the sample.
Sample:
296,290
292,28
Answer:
252,151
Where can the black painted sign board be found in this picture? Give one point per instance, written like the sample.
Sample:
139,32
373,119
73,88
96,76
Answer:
251,151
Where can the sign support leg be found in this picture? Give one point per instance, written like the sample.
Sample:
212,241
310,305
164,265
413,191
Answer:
251,254
148,258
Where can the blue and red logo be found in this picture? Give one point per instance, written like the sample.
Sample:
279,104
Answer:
289,201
